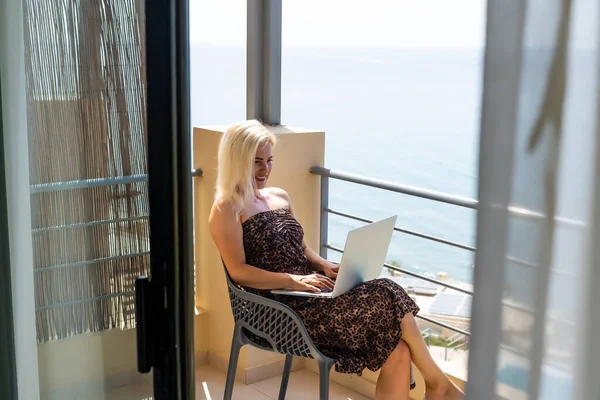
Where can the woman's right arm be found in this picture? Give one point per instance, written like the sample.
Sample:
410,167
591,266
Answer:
227,234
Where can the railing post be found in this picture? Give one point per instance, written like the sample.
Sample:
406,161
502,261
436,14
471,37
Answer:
324,216
263,61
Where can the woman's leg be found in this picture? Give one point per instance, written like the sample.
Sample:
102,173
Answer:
438,385
394,377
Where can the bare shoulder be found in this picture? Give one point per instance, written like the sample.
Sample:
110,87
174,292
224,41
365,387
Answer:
278,192
221,209
279,198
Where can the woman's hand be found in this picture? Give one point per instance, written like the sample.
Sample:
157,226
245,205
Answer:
313,282
331,270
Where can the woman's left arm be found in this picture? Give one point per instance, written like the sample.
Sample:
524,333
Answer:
319,264
315,261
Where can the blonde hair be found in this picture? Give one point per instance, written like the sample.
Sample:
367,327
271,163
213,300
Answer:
237,150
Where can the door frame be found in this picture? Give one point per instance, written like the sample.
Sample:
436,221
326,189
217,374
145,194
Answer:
170,194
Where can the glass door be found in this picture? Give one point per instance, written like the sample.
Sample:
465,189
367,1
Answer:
96,132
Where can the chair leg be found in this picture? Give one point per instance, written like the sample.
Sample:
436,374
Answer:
324,372
236,345
285,378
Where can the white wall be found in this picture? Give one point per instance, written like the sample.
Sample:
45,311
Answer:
88,363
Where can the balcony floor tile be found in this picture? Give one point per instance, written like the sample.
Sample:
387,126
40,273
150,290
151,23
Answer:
210,385
303,385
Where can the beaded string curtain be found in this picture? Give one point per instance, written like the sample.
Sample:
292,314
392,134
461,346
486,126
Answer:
86,105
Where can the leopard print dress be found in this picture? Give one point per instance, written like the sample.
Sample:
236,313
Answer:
359,329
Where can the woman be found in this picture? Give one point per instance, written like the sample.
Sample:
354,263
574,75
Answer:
255,229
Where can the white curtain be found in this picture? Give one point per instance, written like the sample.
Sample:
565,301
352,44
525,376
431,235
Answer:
535,311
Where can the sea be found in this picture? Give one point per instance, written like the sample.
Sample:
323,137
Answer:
406,116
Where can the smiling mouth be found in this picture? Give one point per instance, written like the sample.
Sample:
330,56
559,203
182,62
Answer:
260,178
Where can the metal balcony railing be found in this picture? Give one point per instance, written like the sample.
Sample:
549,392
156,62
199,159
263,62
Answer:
116,253
327,174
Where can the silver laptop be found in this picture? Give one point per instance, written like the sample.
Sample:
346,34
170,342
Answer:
364,254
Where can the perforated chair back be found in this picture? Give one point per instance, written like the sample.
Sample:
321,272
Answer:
271,325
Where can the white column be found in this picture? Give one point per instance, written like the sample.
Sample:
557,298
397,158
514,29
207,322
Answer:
16,156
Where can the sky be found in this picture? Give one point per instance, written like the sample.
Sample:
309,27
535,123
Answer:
389,23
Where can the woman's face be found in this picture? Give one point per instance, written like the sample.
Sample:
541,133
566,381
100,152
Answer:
263,162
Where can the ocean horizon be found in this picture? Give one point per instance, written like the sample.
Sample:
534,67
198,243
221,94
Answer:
402,115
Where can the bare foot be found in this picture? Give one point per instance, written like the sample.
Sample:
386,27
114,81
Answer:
446,391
